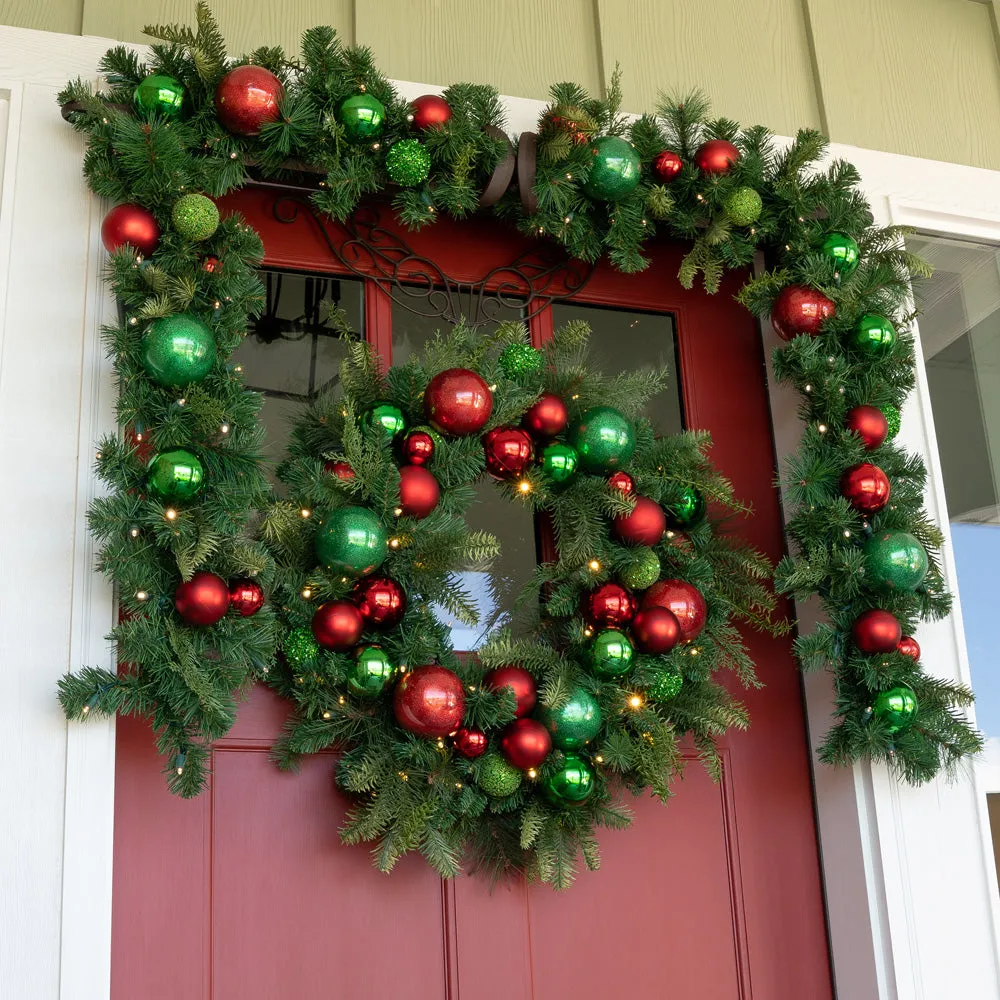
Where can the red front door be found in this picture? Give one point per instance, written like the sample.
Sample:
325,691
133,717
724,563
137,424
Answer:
246,894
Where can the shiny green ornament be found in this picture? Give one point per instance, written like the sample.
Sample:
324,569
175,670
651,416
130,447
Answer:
610,654
408,163
300,648
614,169
559,461
496,778
387,418
362,117
576,723
874,334
352,541
572,784
195,217
178,350
642,571
895,560
175,475
604,440
160,93
665,685
843,251
687,510
518,360
891,414
369,672
743,206
896,707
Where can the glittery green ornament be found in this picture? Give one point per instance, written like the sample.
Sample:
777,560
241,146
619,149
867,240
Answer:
743,206
175,475
572,784
614,169
352,541
610,653
604,439
496,778
408,163
874,334
687,510
891,414
896,707
178,350
843,251
895,560
559,461
300,648
518,360
160,93
578,721
643,569
369,672
666,684
362,117
195,217
386,417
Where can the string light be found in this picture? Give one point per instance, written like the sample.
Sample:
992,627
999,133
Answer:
133,531
440,744
306,593
635,701
807,388
170,514
238,369
575,395
376,146
393,543
569,177
141,595
458,784
821,428
224,429
403,776
133,321
588,631
524,486
847,533
327,714
341,700
598,759
305,512
182,401
397,511
85,710
594,566
532,773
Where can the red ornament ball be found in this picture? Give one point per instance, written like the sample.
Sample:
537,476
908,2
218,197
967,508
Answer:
381,601
338,625
508,452
211,264
203,599
621,481
520,681
644,526
470,742
866,487
130,225
717,156
526,743
684,600
430,111
419,491
666,166
458,401
547,418
799,309
655,630
342,470
876,631
870,424
610,606
418,448
429,701
909,646
247,98
246,597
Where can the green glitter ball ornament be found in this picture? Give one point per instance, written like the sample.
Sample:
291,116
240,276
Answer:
175,475
408,163
610,654
362,117
895,560
369,672
352,541
572,784
686,511
559,461
642,571
843,251
666,684
604,439
576,723
743,206
160,93
178,350
387,418
518,360
891,414
496,778
300,648
195,217
896,707
874,334
614,169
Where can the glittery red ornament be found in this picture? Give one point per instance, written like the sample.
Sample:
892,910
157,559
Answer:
666,166
684,600
610,606
132,225
247,98
909,646
866,487
520,681
342,470
525,743
717,156
869,423
417,448
655,630
338,625
546,418
246,597
799,309
621,481
876,631
470,742
508,452
211,264
429,701
644,526
419,491
458,401
203,600
430,111
381,601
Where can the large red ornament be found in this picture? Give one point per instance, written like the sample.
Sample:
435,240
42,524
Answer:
666,166
644,526
546,418
508,452
247,98
621,481
130,225
381,601
203,600
909,646
866,487
458,401
655,629
876,631
610,606
342,470
717,156
429,701
430,111
419,491
417,448
684,600
338,625
869,423
799,309
520,681
470,742
526,743
246,597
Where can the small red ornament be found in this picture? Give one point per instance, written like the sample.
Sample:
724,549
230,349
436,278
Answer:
520,681
143,443
418,448
430,111
470,743
610,606
876,631
799,309
132,225
866,487
419,491
684,600
644,526
546,418
211,264
869,423
246,597
717,156
203,600
508,452
338,625
381,601
909,646
621,481
458,401
666,166
247,98
526,743
429,701
655,629
342,470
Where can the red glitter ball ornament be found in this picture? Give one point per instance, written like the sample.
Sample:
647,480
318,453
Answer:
130,225
429,701
644,526
458,401
508,452
419,491
799,309
430,111
526,743
876,631
381,601
247,98
684,600
909,646
418,448
666,166
520,681
866,487
203,599
717,156
610,606
655,629
470,742
870,424
342,470
621,481
338,625
547,418
246,597
211,264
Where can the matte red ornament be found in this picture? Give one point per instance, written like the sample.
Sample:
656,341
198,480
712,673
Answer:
338,625
210,265
717,156
381,601
508,452
869,423
470,742
684,600
130,225
644,526
430,111
429,701
666,166
526,743
655,629
876,631
547,418
247,98
342,470
419,491
610,606
520,681
799,309
866,487
417,448
246,597
203,599
909,646
621,481
458,401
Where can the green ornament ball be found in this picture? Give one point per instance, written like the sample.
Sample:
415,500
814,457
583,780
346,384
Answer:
604,440
300,648
610,654
614,169
874,334
369,673
387,418
576,723
352,541
175,475
496,778
408,163
743,206
362,117
687,510
642,571
896,707
195,217
895,560
666,684
572,784
891,414
843,251
559,461
160,93
518,360
178,350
